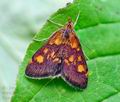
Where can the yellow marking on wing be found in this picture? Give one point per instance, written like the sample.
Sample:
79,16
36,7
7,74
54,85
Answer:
57,60
74,42
39,59
78,49
48,56
57,41
50,42
71,58
74,45
75,62
45,50
86,74
67,62
81,68
52,54
79,58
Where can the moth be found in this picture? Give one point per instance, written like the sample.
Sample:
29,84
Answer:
61,56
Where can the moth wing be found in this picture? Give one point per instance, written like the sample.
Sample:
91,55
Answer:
45,62
74,65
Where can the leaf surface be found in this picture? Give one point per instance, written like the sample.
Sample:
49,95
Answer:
98,29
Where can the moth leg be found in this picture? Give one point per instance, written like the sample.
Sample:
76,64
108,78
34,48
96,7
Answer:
40,40
58,24
91,50
86,56
77,19
85,53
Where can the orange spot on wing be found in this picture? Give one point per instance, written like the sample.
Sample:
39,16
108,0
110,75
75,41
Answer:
74,42
50,43
86,74
52,54
67,62
71,58
78,49
81,68
57,41
57,60
75,62
74,45
79,58
45,50
39,59
48,56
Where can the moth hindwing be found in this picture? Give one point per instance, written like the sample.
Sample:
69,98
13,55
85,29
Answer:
62,55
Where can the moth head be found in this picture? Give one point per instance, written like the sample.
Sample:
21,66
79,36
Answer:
69,25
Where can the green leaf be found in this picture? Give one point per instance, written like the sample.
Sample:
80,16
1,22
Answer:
99,30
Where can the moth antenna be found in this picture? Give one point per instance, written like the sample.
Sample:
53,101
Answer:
92,51
69,19
86,56
37,40
58,24
77,19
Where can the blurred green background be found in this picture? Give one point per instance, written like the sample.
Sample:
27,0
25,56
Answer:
19,21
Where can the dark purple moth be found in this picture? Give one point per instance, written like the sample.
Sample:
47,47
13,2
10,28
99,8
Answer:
62,56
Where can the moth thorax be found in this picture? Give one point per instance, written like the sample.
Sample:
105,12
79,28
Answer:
69,25
66,33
